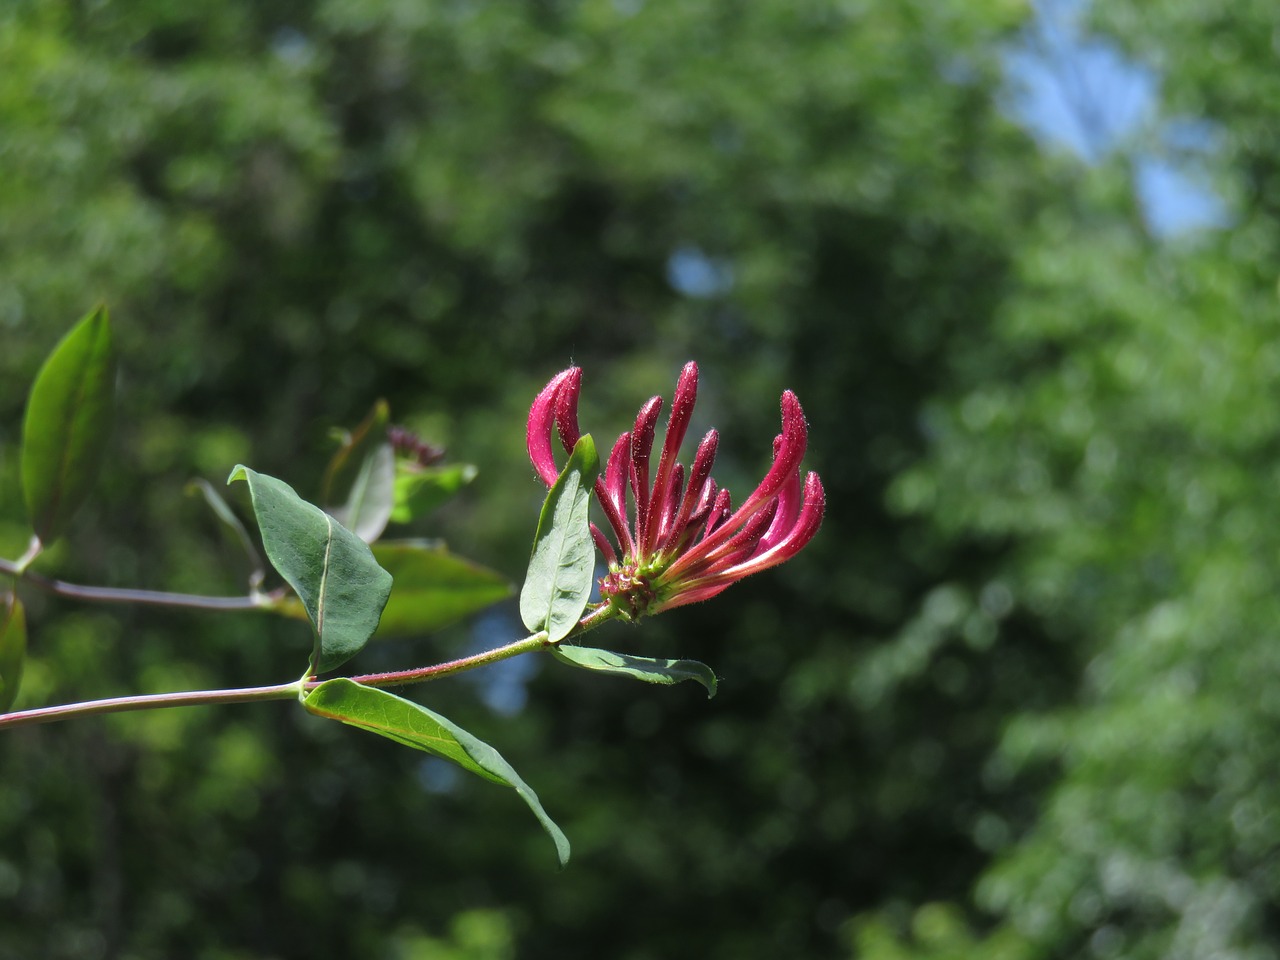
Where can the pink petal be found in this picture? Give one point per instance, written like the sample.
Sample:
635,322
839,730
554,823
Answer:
686,597
604,546
806,525
541,419
696,492
788,500
566,409
682,404
613,494
787,456
641,447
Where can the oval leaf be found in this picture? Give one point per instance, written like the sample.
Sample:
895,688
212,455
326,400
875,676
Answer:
420,490
433,587
332,570
67,425
415,726
359,482
368,506
13,649
640,668
562,568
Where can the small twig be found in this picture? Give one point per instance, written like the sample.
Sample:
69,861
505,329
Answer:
287,691
159,598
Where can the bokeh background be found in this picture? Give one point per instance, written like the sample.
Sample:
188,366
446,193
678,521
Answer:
1019,699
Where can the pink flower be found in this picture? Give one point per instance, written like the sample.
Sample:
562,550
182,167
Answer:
685,542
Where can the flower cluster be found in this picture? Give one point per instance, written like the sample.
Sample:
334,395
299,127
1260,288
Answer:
685,543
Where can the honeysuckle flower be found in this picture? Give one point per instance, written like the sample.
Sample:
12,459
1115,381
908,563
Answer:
683,542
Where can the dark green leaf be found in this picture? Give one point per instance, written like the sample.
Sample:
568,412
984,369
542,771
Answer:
68,422
415,726
359,483
419,490
13,648
562,568
335,575
640,668
433,587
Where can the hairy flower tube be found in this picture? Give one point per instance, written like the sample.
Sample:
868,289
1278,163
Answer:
684,542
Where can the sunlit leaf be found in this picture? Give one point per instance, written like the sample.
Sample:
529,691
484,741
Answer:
368,506
13,648
420,490
415,726
562,568
359,483
638,668
433,587
332,570
68,423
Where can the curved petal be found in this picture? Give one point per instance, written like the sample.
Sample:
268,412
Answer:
682,404
806,525
702,561
541,419
566,408
788,500
611,492
789,450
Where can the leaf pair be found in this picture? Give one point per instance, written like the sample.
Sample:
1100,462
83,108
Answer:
344,589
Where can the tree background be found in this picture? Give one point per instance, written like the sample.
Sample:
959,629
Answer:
1018,699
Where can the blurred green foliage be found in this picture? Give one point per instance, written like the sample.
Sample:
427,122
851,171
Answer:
1018,699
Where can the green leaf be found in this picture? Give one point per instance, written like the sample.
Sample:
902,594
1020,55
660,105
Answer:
332,570
415,726
361,477
639,668
419,490
13,649
562,568
68,423
368,506
433,587
233,524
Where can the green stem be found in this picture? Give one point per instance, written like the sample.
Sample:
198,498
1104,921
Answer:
286,691
158,598
537,641
153,701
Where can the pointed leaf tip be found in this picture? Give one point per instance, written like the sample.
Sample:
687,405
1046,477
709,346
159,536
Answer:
334,573
562,567
650,670
68,424
413,725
